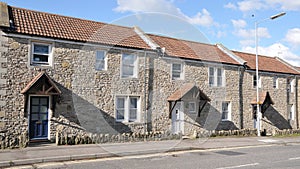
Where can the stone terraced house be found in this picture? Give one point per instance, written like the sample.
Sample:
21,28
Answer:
60,73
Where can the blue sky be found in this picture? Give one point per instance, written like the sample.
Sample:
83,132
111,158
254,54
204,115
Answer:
229,22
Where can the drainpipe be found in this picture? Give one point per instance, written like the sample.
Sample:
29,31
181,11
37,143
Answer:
296,102
145,95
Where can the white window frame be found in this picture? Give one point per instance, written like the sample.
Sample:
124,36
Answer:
292,85
193,106
275,82
134,65
257,82
228,111
104,60
181,72
214,77
50,54
127,109
292,112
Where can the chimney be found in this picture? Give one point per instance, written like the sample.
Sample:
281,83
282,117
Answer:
4,16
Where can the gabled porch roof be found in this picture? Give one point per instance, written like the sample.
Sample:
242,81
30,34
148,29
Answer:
181,92
41,84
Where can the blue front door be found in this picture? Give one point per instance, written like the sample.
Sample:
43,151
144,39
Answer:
38,118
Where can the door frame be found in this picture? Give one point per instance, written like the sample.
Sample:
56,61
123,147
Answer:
181,118
49,115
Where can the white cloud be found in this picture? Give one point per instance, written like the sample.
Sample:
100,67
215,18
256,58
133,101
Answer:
285,4
250,33
293,36
202,18
230,6
276,49
239,23
250,5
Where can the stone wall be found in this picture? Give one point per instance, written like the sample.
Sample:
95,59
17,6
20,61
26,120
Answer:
197,73
88,96
276,117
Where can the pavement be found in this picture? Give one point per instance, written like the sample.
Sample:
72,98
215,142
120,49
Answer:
43,153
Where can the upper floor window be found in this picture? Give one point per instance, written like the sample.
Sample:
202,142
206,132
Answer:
127,108
292,85
216,76
177,71
129,65
275,82
256,82
226,114
41,54
101,60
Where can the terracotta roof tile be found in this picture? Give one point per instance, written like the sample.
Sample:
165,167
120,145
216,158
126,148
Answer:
61,27
192,50
265,63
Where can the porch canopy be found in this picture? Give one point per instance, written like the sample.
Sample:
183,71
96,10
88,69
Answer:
41,84
264,100
183,91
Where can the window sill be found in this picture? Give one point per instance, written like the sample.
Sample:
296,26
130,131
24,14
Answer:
127,122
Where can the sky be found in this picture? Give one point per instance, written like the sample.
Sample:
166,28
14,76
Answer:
229,22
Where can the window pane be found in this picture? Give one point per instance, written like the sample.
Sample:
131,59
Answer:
120,114
133,114
100,60
40,58
128,65
34,116
43,117
44,101
211,71
35,101
43,109
120,103
176,66
34,109
254,81
133,102
41,49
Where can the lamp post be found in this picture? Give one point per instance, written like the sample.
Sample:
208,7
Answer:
258,113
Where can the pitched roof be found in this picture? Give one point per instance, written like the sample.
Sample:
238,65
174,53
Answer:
67,28
192,50
44,78
183,90
265,63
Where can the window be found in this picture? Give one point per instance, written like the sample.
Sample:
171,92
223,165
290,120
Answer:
127,108
100,60
292,85
226,111
216,76
255,81
129,65
292,112
177,71
192,107
41,54
275,82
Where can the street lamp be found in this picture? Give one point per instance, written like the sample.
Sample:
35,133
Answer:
258,124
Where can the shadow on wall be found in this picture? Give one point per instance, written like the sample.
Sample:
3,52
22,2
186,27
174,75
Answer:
211,119
277,119
80,111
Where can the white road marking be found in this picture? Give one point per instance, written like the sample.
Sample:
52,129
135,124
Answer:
240,166
268,140
294,158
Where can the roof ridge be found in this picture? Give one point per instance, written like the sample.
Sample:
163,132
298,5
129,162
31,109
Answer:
254,54
169,37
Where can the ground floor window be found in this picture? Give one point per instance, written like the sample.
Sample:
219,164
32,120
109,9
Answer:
127,108
226,114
